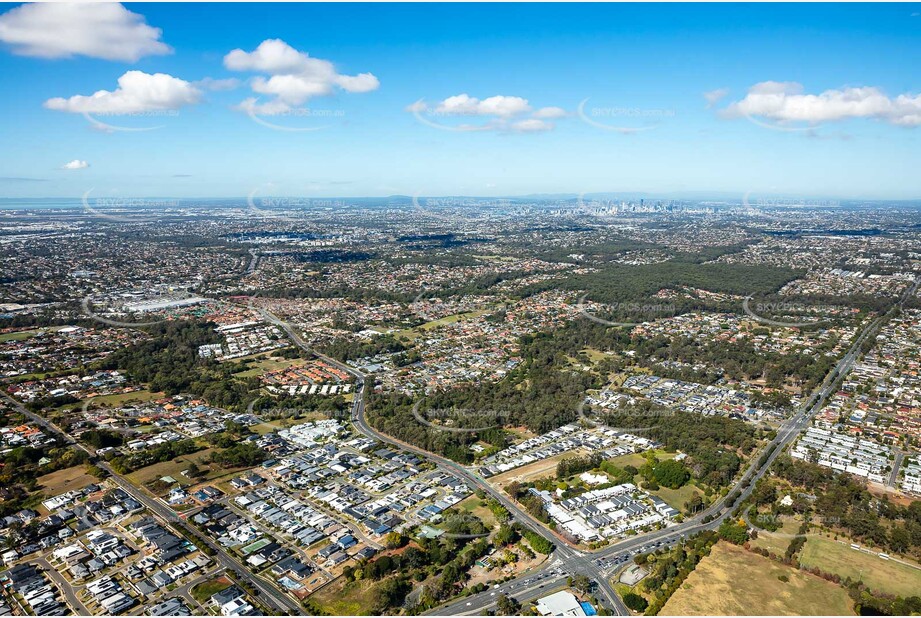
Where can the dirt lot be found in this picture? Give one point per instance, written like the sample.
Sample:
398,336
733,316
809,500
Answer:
66,480
537,470
733,581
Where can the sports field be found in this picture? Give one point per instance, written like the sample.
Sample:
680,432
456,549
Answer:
885,576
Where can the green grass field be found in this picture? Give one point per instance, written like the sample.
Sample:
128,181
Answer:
885,576
18,335
677,497
259,365
114,401
734,581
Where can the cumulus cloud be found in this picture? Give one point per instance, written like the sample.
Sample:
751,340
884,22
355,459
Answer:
137,92
63,30
293,77
551,112
531,125
502,113
786,102
465,105
76,164
715,96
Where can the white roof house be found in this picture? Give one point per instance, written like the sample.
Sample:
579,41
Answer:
561,603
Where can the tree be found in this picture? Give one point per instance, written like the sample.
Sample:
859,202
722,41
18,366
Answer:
581,582
507,606
394,540
671,474
635,602
734,532
193,471
694,504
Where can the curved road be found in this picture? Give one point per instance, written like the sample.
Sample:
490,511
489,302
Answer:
567,560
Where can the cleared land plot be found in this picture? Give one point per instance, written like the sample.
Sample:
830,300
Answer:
259,366
777,541
174,468
638,460
117,400
66,480
472,505
677,497
733,581
885,576
532,471
203,591
346,599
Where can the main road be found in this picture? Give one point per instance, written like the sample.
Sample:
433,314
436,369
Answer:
574,559
607,559
567,560
269,593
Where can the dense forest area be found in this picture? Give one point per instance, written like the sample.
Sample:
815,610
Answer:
716,446
169,361
540,394
628,283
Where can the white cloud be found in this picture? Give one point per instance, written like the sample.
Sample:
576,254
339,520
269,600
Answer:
715,96
551,112
293,76
363,82
418,107
76,164
274,56
251,106
137,92
532,125
786,102
62,30
503,113
465,105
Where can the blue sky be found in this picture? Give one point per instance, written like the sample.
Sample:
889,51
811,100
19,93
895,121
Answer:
805,100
